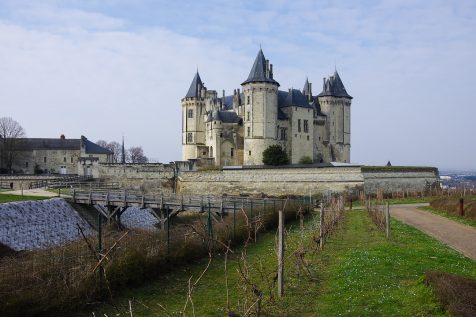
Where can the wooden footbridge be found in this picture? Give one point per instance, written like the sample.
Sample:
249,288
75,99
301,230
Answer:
111,204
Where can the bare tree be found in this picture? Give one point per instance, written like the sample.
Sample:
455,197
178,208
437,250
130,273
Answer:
10,132
114,147
102,143
136,155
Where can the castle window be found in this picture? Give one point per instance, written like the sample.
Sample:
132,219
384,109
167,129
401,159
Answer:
189,137
308,137
26,164
282,134
44,159
64,159
232,150
248,131
306,127
221,135
248,116
249,152
71,159
248,100
299,125
190,113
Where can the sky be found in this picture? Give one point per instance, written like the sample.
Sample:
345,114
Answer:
107,69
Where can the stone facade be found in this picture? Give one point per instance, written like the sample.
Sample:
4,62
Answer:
400,179
272,181
297,179
58,156
236,129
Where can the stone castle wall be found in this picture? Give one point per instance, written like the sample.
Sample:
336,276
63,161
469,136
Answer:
397,179
300,180
271,181
144,177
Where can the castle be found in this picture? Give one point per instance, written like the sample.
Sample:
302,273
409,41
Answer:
236,129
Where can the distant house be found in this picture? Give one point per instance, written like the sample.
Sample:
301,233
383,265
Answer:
58,156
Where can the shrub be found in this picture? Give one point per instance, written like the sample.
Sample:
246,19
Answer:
275,155
305,160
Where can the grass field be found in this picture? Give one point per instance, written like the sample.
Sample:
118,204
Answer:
7,198
465,221
359,273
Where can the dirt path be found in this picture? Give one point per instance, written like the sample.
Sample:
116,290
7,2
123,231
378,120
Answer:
31,192
457,236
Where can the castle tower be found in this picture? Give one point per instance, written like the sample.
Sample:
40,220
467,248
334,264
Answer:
260,110
193,126
335,103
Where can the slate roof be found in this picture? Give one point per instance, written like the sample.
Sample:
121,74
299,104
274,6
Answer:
93,148
195,87
228,102
295,98
27,144
258,71
47,144
333,86
223,116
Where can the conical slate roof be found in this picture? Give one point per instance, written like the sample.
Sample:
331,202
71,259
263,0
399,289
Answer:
305,90
333,86
195,87
258,71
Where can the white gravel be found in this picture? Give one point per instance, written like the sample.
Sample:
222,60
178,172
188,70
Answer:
134,217
39,224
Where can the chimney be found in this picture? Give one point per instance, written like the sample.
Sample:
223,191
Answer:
324,84
62,137
271,71
267,68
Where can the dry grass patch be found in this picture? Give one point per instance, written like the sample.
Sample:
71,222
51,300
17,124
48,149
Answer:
457,293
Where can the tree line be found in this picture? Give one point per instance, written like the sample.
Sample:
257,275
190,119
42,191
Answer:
134,154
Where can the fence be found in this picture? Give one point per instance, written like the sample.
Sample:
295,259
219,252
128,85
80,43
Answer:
56,278
379,212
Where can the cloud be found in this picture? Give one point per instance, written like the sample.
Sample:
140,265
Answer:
102,69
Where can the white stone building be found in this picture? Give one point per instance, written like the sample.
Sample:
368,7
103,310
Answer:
58,156
236,129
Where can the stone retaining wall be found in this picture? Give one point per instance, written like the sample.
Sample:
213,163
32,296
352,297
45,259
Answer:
145,177
399,178
272,181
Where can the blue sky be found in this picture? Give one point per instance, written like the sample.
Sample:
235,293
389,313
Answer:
107,68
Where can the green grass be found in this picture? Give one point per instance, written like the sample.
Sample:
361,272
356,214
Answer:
399,201
7,198
465,221
359,273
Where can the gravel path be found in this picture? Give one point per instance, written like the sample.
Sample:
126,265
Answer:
32,192
457,236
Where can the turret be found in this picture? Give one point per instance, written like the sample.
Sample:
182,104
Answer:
307,90
260,110
193,112
335,103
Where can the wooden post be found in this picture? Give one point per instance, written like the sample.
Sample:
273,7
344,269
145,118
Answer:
321,225
280,253
387,220
461,207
